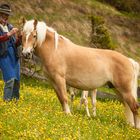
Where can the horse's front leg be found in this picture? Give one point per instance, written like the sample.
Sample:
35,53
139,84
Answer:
72,94
59,85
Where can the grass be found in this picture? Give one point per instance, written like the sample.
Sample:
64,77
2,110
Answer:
38,116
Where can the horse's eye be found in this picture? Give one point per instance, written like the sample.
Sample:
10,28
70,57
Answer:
34,36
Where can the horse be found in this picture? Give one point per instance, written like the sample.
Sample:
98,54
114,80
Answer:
84,100
81,67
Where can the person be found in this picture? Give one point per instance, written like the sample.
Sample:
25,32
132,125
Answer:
9,59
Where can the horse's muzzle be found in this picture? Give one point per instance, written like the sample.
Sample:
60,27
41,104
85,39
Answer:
27,55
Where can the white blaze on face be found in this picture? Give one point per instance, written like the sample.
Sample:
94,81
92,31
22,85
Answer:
27,48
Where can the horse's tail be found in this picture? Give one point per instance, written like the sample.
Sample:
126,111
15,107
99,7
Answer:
136,69
134,84
132,117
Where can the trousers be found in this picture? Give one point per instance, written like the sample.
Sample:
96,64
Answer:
10,68
11,90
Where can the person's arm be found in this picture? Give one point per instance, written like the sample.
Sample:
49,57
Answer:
4,38
18,41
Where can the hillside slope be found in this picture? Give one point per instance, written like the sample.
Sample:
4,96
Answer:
71,18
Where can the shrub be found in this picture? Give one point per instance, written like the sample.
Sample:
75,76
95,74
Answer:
100,37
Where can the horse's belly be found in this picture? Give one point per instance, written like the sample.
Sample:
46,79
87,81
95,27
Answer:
89,75
87,82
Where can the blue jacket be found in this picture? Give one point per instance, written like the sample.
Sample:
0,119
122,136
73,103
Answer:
9,64
4,45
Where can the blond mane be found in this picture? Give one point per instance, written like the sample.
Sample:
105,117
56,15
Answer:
42,28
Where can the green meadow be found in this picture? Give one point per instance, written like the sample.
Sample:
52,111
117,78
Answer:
38,116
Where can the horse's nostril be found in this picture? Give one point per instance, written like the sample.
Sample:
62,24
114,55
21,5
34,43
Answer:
26,55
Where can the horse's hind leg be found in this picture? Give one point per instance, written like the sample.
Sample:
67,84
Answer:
84,101
93,100
129,114
131,110
59,85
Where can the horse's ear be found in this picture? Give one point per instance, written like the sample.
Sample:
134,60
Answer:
23,20
46,20
35,24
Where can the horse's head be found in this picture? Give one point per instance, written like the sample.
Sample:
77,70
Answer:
29,37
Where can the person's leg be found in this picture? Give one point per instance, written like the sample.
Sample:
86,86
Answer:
8,73
8,90
10,68
17,81
16,89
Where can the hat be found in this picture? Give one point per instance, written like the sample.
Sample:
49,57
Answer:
5,9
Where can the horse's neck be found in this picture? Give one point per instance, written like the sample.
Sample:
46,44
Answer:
54,40
51,44
47,47
49,36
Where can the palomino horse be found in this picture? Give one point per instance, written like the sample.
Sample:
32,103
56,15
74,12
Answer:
84,100
81,67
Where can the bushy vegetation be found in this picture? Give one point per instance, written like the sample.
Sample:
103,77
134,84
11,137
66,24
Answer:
100,37
38,116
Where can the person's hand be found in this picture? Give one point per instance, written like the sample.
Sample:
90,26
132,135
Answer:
13,31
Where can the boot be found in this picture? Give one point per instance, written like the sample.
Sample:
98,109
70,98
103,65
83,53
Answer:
16,89
8,90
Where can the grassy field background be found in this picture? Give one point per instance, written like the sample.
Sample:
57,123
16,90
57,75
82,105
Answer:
38,116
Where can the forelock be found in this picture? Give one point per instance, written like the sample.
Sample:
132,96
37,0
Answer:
28,27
